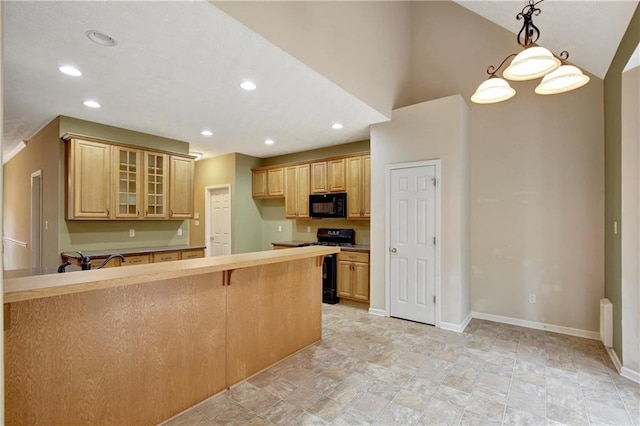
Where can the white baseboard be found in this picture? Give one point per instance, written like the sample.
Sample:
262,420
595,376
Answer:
378,312
630,374
539,325
614,358
458,328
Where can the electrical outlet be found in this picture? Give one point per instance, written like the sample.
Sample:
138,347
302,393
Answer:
196,215
532,298
308,229
179,232
46,225
132,232
279,228
197,223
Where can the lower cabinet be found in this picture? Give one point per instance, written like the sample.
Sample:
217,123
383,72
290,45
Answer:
353,276
137,259
142,258
192,254
166,256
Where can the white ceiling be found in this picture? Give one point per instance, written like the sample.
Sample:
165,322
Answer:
175,71
177,67
589,30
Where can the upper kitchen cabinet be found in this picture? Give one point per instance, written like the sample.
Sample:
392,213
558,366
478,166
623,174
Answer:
328,176
359,187
297,191
128,172
181,188
268,182
113,181
155,185
88,180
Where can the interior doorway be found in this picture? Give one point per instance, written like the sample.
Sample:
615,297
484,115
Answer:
36,220
218,220
412,235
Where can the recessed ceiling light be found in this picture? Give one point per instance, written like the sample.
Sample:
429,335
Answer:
206,133
69,70
248,85
91,104
269,142
197,155
101,38
336,126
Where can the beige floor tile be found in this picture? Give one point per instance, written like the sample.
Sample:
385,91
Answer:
441,412
303,397
396,414
369,403
190,418
283,413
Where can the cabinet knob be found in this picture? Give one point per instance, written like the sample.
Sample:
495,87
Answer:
146,212
171,213
108,211
138,212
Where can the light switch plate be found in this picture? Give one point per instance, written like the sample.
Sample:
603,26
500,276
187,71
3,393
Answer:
179,232
196,215
132,232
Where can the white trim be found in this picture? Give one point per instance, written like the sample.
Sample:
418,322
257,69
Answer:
378,312
387,204
539,325
630,374
13,152
16,242
458,328
614,358
36,243
207,217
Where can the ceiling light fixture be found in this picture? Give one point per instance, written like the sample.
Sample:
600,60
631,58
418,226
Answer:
196,155
101,38
269,142
69,70
206,133
91,104
248,85
533,62
336,126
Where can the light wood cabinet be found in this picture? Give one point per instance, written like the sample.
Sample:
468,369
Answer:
166,256
268,183
359,187
328,176
297,192
136,259
155,185
181,188
192,254
88,180
353,276
127,167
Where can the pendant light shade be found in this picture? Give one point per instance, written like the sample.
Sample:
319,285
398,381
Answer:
564,79
492,91
531,63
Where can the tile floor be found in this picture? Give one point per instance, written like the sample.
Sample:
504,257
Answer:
385,371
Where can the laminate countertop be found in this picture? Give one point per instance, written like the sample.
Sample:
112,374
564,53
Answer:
295,243
37,287
133,251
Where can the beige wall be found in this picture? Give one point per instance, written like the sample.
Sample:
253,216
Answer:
427,131
630,226
362,46
39,154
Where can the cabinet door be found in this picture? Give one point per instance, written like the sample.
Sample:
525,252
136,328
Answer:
319,178
335,176
181,188
155,185
259,186
89,180
275,182
344,279
366,186
303,191
290,200
127,187
361,281
354,188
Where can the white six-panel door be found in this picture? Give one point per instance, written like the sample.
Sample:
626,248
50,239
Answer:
412,248
220,221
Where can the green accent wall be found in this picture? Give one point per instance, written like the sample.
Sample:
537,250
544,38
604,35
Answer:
613,181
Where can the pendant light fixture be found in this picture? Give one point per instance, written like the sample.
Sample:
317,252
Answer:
531,63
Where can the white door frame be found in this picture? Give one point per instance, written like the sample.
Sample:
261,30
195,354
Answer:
208,190
36,222
387,227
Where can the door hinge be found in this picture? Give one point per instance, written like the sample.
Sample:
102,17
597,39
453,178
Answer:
434,181
434,241
434,300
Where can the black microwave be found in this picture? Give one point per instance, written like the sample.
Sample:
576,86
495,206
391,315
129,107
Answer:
328,205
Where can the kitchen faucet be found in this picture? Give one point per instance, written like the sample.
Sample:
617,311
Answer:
109,258
86,261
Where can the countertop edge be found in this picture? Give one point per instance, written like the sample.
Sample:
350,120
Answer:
36,287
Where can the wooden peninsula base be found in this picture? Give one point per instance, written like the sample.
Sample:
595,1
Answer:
138,347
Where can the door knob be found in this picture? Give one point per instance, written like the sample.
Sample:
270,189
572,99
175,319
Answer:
393,250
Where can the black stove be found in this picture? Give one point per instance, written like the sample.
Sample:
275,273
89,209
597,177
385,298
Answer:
332,237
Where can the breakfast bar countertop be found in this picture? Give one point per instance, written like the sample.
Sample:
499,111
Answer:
36,287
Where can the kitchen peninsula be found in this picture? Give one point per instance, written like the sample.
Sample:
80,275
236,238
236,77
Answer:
138,345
